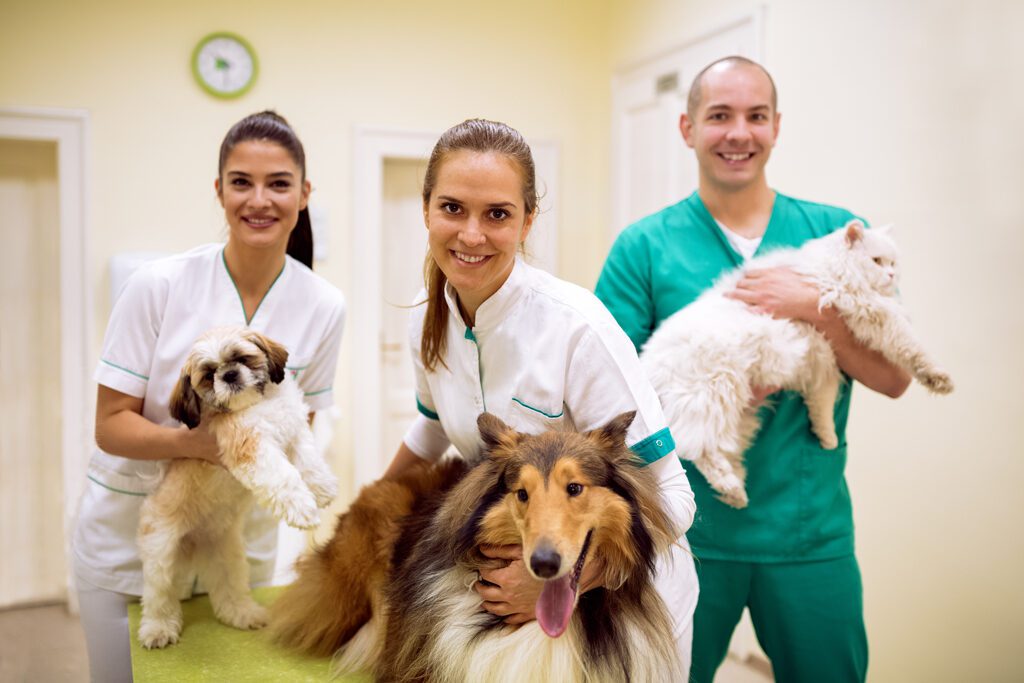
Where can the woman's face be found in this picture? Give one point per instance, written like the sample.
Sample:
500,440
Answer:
476,218
262,191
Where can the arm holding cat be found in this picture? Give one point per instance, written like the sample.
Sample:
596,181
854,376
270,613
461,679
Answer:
782,293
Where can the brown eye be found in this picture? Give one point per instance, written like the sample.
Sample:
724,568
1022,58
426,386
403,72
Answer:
208,376
522,495
877,260
574,490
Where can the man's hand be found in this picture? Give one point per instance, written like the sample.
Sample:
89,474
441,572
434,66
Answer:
779,292
507,587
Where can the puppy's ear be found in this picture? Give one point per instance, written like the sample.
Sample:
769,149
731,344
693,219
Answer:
613,434
277,355
495,433
184,404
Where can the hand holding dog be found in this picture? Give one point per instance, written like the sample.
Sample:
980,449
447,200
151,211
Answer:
200,443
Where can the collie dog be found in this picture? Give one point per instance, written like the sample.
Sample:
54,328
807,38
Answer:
392,592
234,381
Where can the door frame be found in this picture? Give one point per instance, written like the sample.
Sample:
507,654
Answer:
70,130
657,65
372,146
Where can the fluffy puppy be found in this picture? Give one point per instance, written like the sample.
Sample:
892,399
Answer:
234,382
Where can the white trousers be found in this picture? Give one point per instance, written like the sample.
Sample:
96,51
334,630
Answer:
104,616
676,581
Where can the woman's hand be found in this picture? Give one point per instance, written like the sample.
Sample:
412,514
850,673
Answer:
201,444
506,585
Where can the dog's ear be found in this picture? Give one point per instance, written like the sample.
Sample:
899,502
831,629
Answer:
613,434
184,403
495,433
277,355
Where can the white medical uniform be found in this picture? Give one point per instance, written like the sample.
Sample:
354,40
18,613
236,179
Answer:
546,354
164,307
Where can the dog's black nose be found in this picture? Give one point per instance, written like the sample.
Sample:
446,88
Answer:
545,562
230,376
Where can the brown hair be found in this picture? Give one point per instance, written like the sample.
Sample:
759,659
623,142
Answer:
476,135
694,97
270,126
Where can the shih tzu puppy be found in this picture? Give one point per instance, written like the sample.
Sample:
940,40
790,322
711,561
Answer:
234,382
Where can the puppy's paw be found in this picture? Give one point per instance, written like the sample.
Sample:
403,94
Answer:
156,633
247,616
324,490
937,382
300,512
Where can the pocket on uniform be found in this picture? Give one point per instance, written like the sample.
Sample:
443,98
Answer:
533,417
825,508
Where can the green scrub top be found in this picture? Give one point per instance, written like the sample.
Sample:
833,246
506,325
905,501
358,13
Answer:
800,506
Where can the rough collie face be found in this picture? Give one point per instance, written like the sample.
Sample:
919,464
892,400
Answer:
227,370
564,501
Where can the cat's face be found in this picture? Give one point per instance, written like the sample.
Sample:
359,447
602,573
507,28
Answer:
878,255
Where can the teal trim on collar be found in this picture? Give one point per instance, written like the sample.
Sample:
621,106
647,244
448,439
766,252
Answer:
111,488
539,411
469,334
317,393
655,447
135,374
248,319
425,411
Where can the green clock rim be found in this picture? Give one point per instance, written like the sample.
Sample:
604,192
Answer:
244,43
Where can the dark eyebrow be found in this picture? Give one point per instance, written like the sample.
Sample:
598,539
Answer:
455,200
277,174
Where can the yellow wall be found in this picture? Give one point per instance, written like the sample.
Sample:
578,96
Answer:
911,113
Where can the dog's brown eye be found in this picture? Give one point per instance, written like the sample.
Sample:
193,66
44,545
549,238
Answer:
208,376
574,489
522,495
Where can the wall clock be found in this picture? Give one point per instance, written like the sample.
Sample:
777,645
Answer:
224,64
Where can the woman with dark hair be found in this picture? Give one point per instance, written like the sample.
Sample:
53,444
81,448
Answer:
500,336
260,278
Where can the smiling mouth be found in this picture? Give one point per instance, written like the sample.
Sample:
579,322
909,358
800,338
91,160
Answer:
468,258
733,157
260,222
558,597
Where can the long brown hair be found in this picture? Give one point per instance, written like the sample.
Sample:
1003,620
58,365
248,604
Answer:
476,135
271,126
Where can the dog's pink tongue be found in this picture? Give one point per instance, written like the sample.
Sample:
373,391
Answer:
554,606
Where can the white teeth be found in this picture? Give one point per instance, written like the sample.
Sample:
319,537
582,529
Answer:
468,258
259,221
737,157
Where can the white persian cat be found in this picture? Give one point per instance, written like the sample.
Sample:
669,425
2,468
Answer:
704,359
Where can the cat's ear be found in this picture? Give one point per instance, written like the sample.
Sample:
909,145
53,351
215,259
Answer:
854,232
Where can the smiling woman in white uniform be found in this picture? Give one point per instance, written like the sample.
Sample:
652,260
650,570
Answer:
499,335
253,280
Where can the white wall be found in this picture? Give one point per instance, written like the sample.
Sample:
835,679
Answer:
911,113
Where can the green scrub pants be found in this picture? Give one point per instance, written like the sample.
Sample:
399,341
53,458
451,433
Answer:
808,616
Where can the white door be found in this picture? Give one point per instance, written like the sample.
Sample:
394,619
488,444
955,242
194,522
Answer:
405,246
652,166
32,567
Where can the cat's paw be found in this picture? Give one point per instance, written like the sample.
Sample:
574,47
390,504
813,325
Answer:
157,633
936,381
828,441
732,491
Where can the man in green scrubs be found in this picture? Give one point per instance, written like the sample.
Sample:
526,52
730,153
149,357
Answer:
788,556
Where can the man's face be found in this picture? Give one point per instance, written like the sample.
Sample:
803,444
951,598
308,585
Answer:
734,128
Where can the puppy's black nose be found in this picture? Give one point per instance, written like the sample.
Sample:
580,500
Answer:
545,562
230,376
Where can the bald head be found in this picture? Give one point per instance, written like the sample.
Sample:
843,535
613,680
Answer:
693,100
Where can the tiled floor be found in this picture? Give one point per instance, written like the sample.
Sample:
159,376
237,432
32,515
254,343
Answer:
45,644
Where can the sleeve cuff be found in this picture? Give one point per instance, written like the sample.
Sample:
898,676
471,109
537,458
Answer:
425,411
654,447
121,379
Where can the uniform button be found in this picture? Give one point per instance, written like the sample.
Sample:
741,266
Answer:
658,443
